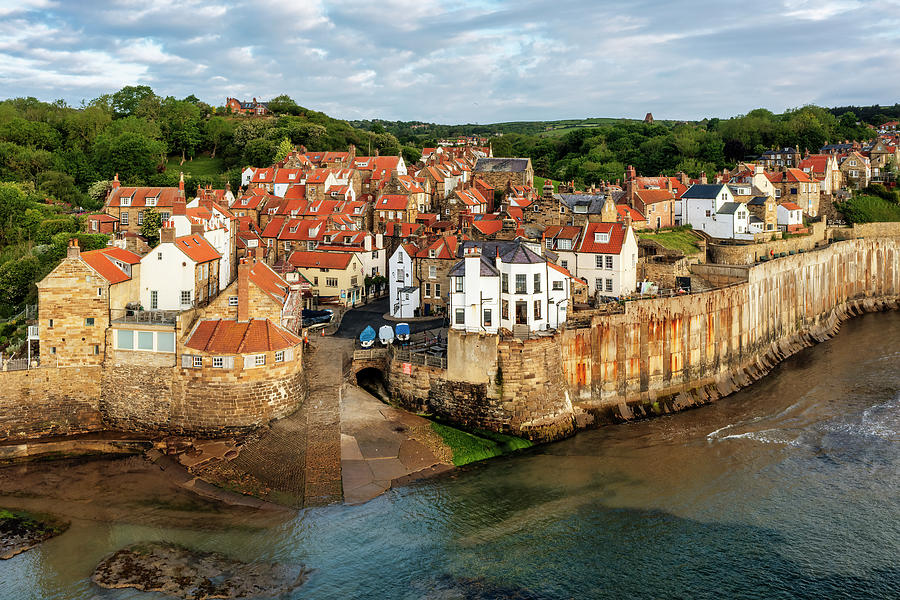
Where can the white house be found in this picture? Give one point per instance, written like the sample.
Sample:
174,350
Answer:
607,258
217,225
507,285
790,216
712,208
179,273
402,283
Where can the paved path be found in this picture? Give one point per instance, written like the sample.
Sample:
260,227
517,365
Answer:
382,446
355,320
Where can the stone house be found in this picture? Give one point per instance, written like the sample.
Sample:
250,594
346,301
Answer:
75,301
127,204
393,208
825,169
501,173
856,170
657,207
763,213
102,223
507,286
180,273
562,240
335,276
881,155
782,157
797,186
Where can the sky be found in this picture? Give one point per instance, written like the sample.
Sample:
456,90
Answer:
462,61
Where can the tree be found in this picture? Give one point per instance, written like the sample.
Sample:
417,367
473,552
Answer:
13,203
180,123
283,105
16,279
259,153
218,130
132,155
61,187
126,101
284,148
151,226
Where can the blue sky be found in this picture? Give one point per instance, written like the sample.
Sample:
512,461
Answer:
465,60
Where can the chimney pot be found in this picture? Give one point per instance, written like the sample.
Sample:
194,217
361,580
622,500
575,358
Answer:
73,251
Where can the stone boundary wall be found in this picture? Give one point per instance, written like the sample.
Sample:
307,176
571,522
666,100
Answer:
722,275
668,354
748,254
866,230
49,401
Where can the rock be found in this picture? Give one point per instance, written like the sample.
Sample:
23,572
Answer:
184,573
20,531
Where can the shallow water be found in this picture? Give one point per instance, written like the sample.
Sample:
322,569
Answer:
788,489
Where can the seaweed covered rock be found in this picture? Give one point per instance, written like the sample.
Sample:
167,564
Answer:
20,530
184,573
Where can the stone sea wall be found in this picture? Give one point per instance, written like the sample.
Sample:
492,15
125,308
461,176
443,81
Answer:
661,355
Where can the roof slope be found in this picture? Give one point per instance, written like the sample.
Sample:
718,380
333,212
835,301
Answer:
220,336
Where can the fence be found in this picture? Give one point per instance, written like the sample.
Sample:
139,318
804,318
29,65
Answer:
15,364
145,317
420,358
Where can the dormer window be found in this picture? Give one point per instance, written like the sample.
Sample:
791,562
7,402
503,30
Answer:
431,254
126,201
601,238
292,175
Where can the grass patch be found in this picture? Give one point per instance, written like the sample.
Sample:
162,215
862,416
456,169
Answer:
539,184
479,444
682,240
869,209
201,166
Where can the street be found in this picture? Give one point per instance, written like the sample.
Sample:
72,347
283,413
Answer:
355,320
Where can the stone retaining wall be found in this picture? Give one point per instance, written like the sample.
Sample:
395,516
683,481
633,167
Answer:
748,254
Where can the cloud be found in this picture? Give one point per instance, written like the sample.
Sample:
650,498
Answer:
462,61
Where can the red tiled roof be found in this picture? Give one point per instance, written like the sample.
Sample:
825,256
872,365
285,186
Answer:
100,261
790,175
616,233
126,256
322,260
624,209
816,163
444,247
165,197
488,227
269,281
284,175
654,196
392,202
103,218
562,231
196,248
790,206
233,337
401,229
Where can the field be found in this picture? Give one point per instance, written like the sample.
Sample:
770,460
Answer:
539,184
200,166
868,209
682,240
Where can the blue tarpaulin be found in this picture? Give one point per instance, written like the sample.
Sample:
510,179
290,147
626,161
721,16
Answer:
367,335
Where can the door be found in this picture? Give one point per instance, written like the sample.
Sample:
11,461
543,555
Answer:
521,312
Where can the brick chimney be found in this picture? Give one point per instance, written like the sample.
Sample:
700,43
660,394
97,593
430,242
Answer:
630,176
243,307
73,251
181,183
167,235
115,181
703,177
197,229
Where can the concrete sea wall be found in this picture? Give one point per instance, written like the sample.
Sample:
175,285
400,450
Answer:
660,355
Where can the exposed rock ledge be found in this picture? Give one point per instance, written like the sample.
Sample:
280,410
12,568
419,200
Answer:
183,573
21,531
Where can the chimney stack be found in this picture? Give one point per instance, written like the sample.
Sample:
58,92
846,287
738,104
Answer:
197,229
167,235
115,181
181,183
73,250
243,307
703,177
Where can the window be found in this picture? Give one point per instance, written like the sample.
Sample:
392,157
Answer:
259,360
159,256
185,297
557,286
141,218
96,349
708,213
99,292
459,284
232,300
504,280
145,340
537,309
520,283
331,282
198,361
353,281
460,316
432,272
428,290
123,219
218,362
125,339
598,260
437,290
487,317
154,299
564,244
52,349
609,261
165,341
504,309
537,283
598,284
89,322
279,356
549,243
164,216
609,285
777,193
431,254
51,324
564,264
